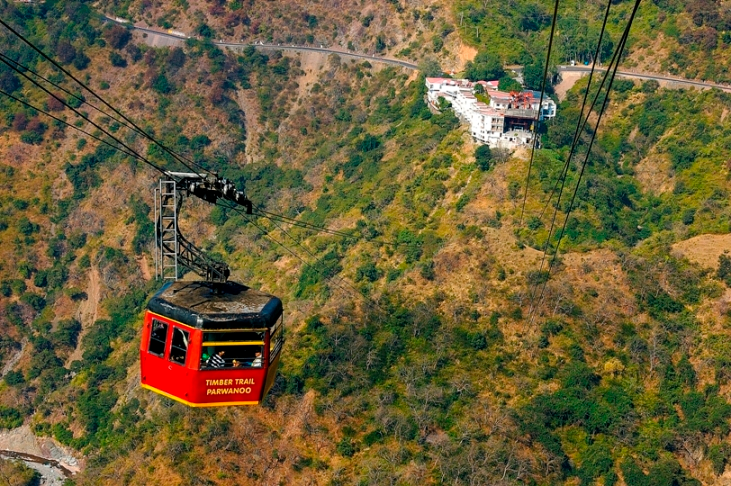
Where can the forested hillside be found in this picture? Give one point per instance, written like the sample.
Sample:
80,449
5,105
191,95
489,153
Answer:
431,346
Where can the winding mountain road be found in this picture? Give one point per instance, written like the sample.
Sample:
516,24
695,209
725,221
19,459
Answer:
167,38
649,76
175,38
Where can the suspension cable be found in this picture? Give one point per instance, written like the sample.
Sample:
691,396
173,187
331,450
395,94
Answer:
579,129
615,59
81,115
540,108
87,88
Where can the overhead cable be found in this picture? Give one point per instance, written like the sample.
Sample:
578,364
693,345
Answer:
615,60
540,108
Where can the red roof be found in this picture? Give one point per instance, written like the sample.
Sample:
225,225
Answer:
500,94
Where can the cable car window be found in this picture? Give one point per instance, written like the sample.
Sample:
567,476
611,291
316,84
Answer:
232,356
232,349
179,346
158,337
238,336
275,340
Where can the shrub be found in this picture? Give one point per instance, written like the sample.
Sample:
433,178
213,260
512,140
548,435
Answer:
410,244
84,262
14,378
117,36
40,279
31,138
463,200
65,52
10,418
426,270
368,272
162,85
368,143
117,60
632,473
650,86
9,82
534,222
596,461
724,269
198,142
66,333
688,216
96,343
719,454
323,270
62,434
42,361
537,277
345,447
18,286
81,61
380,43
623,85
204,30
175,58
37,302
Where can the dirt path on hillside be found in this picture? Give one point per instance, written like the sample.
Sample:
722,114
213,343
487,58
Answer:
654,173
311,63
88,311
144,268
246,99
14,360
297,421
567,82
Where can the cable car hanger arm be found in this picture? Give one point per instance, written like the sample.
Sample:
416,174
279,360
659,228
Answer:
174,248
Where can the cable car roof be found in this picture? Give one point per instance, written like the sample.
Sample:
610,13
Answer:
208,305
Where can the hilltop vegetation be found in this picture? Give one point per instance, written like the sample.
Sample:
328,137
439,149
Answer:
423,349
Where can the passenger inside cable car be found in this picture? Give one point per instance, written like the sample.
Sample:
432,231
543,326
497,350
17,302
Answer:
211,344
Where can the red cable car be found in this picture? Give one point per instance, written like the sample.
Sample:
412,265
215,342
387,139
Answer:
209,344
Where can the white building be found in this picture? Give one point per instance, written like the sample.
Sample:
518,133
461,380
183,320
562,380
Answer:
507,121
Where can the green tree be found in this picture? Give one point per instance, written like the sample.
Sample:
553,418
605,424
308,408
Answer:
162,85
368,272
204,30
483,157
18,474
506,83
380,43
65,52
81,61
533,76
484,68
430,67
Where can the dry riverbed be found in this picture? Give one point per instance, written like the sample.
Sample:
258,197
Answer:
52,460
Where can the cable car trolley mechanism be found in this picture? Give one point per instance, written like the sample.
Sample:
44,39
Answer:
207,342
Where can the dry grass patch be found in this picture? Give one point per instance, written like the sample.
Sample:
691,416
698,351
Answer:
703,249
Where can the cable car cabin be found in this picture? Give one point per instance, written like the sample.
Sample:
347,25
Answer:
211,344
